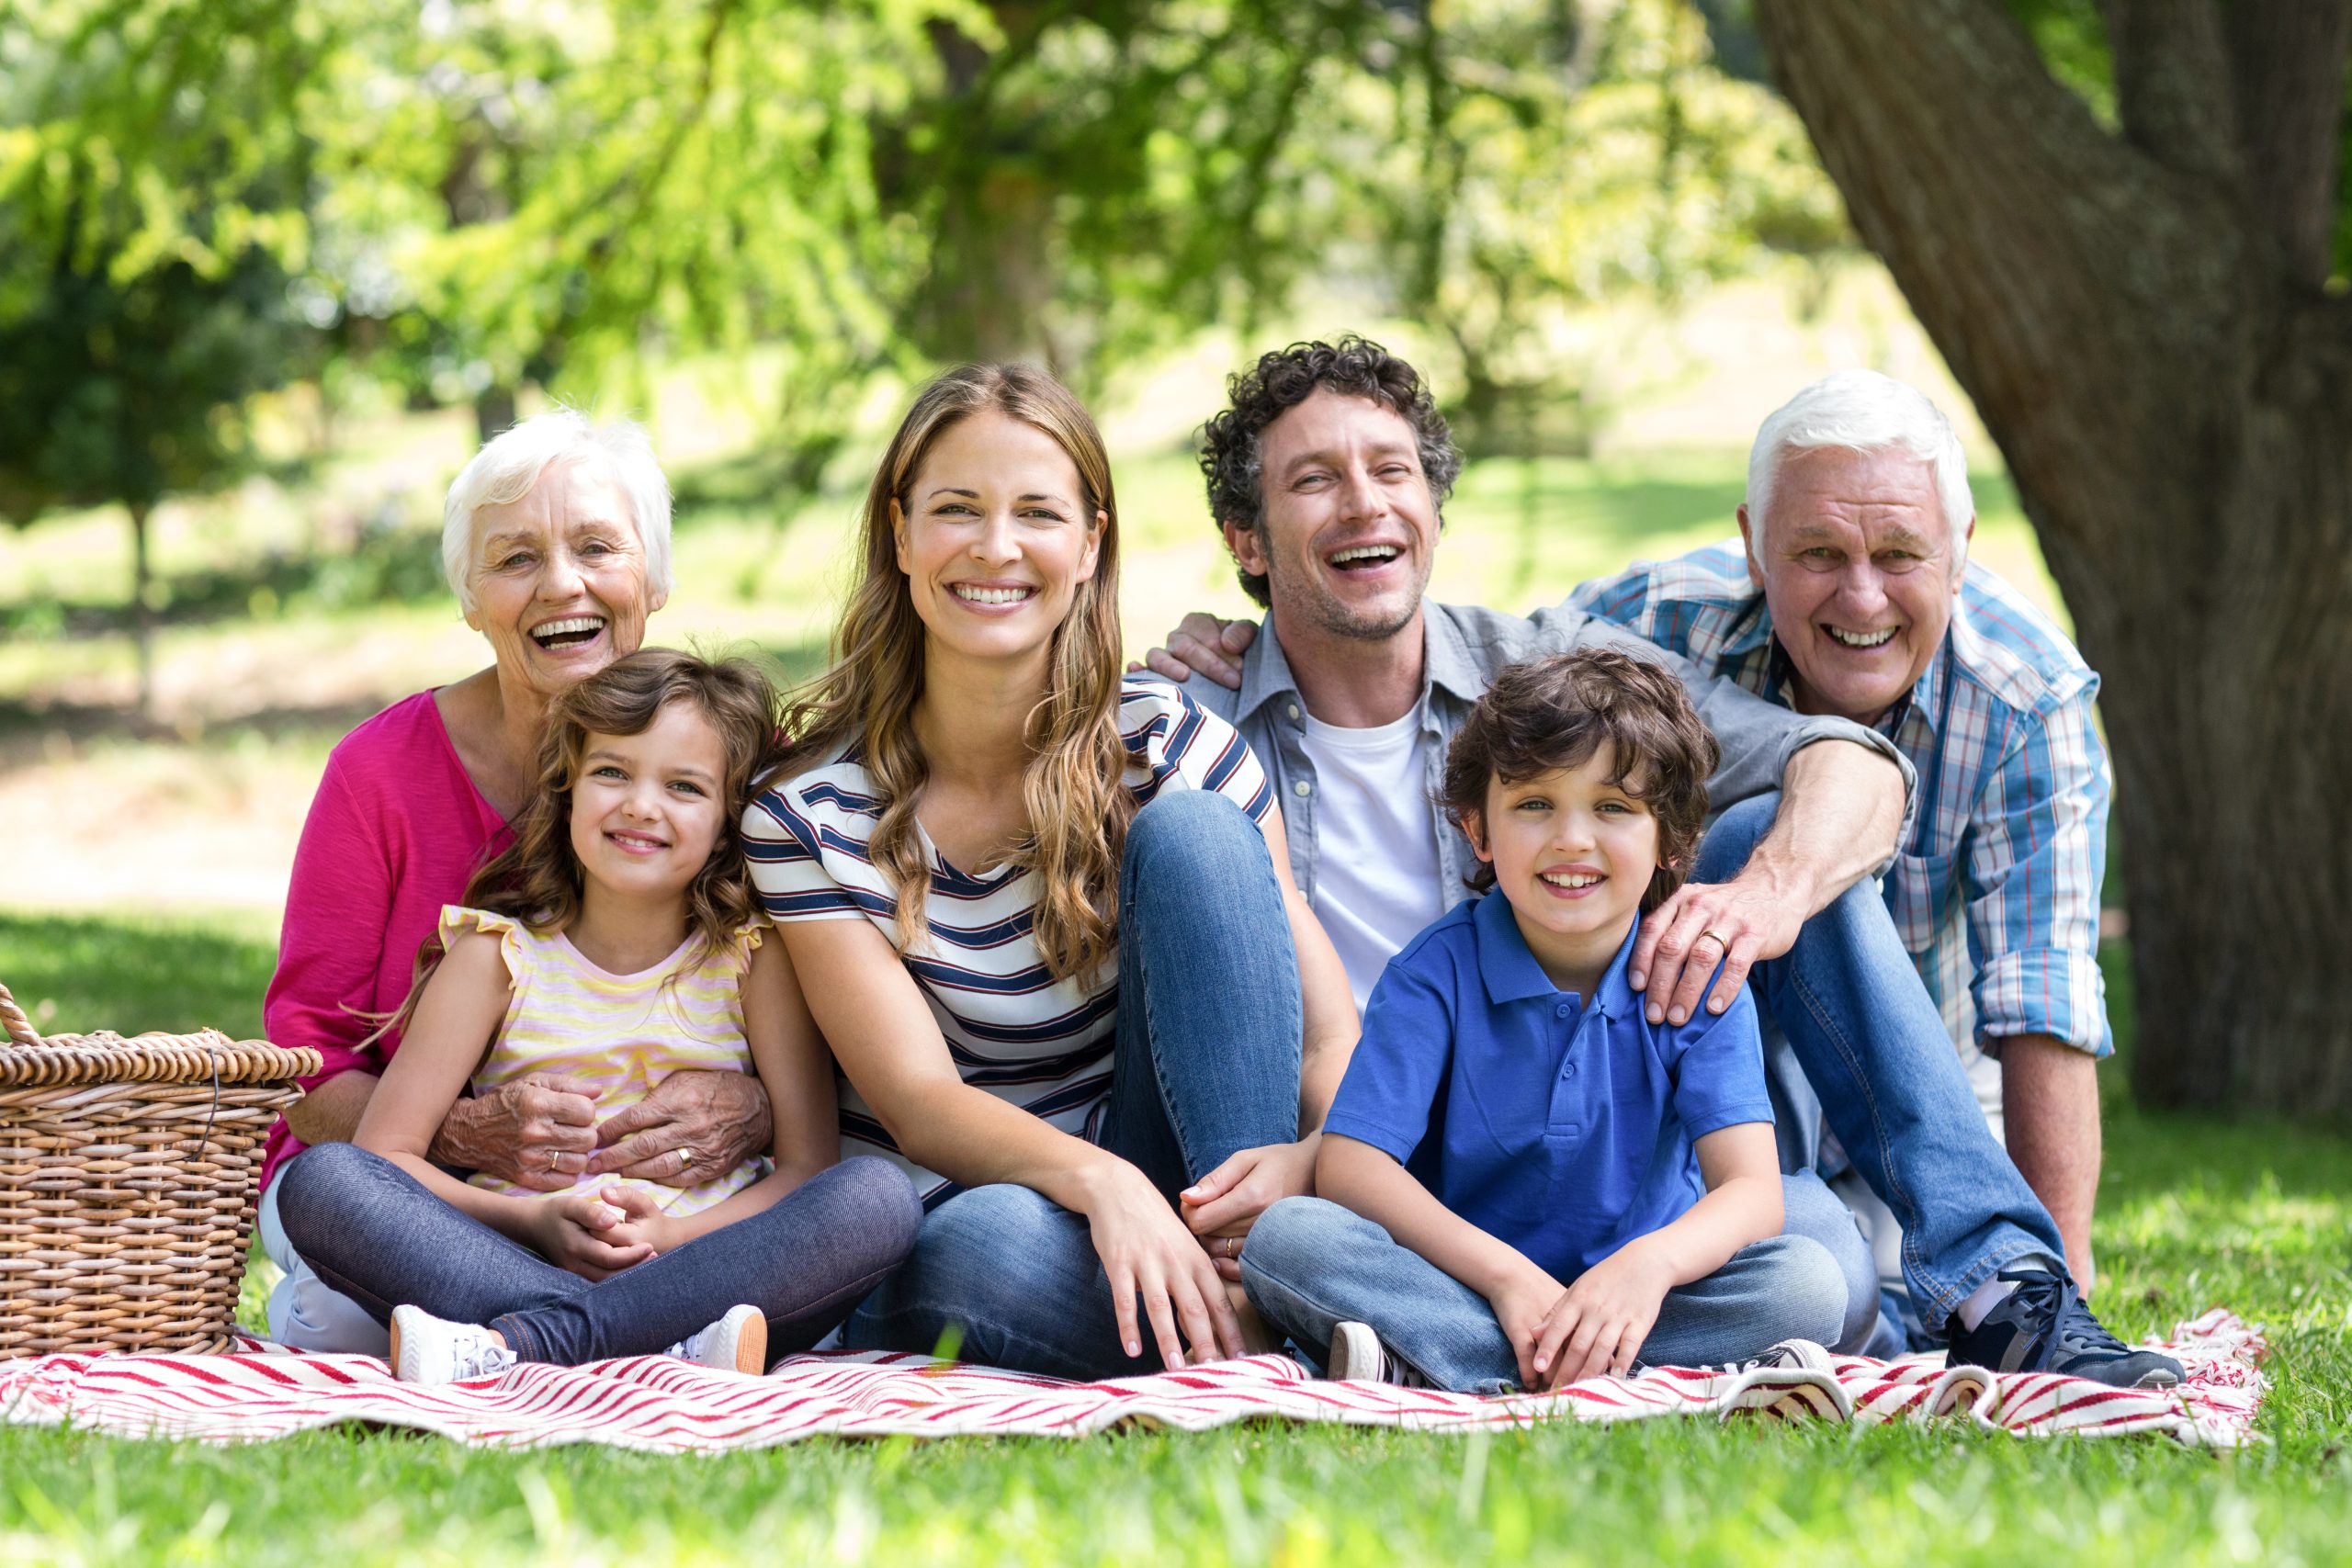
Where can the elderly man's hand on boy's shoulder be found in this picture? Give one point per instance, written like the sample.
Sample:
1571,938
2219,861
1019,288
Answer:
1735,925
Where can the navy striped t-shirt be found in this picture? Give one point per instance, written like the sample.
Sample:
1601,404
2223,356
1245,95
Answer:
1034,1042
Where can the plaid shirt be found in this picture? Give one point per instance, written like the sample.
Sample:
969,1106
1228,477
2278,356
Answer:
1996,891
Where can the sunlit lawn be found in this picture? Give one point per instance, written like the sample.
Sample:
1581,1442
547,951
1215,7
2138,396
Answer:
2192,1215
257,683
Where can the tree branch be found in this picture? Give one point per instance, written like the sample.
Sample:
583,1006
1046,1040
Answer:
2172,86
2286,60
2058,267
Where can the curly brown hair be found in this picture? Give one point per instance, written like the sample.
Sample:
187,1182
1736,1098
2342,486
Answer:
1558,713
1232,452
537,879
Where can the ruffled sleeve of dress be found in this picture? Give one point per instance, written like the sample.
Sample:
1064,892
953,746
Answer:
515,942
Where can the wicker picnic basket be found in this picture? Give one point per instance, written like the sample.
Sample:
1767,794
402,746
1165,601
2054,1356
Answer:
127,1173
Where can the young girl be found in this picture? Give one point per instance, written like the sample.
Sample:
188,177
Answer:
617,943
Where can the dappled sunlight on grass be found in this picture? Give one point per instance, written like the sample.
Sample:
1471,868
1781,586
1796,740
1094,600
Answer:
2193,1215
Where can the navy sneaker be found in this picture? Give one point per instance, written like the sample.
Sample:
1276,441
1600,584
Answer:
2043,1326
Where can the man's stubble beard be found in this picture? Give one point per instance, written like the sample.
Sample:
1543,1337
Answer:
1335,618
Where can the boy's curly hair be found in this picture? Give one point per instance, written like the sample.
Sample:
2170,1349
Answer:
1232,454
1556,713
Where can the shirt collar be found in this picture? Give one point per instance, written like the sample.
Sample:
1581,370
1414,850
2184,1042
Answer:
1750,629
1265,673
1511,974
1447,662
1447,659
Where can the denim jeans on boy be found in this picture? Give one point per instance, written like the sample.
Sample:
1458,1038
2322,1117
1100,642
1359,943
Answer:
1311,1264
373,1231
1206,1064
1877,1063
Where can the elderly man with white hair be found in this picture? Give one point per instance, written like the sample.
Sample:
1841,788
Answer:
1326,476
556,540
1851,593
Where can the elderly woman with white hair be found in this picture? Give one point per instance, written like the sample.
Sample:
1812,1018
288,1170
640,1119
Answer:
556,538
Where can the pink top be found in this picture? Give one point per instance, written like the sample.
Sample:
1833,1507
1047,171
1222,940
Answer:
397,830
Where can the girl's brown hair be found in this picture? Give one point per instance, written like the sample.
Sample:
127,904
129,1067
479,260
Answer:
1556,713
538,879
1077,806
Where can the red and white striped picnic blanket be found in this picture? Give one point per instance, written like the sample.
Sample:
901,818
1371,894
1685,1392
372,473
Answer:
663,1405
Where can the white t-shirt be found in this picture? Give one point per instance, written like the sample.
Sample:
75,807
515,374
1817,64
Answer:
1377,873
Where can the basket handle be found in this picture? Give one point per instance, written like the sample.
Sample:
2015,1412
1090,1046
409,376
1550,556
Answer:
12,1017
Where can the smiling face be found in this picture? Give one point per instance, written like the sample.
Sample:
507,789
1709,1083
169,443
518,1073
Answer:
1858,569
1574,854
1350,526
558,579
648,808
996,536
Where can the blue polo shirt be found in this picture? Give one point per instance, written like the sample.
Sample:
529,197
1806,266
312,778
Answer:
1561,1126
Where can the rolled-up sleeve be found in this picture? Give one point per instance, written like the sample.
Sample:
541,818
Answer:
2036,857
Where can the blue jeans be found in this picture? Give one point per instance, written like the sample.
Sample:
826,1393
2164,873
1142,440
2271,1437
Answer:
1876,1061
373,1231
1310,1265
1205,1064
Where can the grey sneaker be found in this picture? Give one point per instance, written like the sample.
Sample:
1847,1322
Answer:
1357,1355
736,1343
428,1349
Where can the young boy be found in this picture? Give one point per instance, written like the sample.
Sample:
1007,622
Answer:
1525,1182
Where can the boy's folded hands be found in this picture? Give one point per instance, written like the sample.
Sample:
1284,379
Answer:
1596,1326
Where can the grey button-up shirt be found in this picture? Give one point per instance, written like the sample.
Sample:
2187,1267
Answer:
1466,646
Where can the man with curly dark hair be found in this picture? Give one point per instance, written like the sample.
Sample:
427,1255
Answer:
1327,473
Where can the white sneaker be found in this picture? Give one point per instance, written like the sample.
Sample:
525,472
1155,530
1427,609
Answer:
736,1343
1358,1355
428,1349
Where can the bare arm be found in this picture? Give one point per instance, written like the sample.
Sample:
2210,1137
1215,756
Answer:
2050,1105
1841,805
797,1072
883,1032
1369,1180
536,1131
455,1020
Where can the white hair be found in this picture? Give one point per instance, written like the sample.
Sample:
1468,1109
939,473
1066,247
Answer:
1861,411
511,463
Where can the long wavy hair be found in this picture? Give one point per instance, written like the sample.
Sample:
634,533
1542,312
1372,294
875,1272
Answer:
538,879
1077,806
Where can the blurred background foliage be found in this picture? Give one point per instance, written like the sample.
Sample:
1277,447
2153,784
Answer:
465,201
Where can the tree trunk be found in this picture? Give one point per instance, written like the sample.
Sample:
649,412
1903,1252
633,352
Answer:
493,412
143,613
2135,319
991,275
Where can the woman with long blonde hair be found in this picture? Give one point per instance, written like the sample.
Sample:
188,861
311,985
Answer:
1046,915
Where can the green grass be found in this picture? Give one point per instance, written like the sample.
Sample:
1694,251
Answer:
2192,1214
